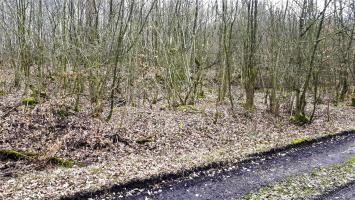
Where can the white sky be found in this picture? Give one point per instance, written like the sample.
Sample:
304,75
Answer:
279,3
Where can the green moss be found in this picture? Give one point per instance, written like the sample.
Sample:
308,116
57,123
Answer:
298,140
16,155
300,119
63,112
61,162
29,101
2,93
351,161
201,95
353,100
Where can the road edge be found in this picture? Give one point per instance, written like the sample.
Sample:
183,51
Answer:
334,190
168,177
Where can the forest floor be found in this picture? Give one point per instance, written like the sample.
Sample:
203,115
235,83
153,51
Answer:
139,142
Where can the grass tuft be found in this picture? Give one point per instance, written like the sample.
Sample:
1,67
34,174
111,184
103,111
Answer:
351,161
29,101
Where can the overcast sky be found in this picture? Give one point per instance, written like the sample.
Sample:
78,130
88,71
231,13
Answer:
320,3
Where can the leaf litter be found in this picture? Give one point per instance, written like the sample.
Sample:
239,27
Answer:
139,142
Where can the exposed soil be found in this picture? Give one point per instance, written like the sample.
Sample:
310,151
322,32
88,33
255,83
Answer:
234,182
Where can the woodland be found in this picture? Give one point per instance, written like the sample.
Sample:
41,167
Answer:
87,84
148,51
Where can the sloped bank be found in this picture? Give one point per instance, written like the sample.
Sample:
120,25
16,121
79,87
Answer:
196,183
143,142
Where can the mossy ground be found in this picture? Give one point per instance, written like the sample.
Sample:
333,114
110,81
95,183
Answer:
300,119
63,112
17,155
61,162
351,161
298,140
